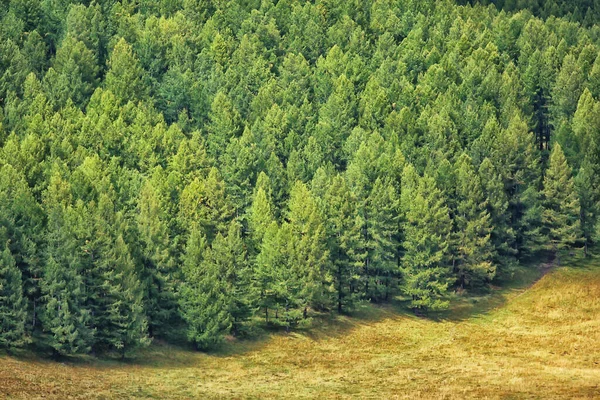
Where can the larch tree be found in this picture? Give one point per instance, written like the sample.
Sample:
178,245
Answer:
203,303
425,265
125,77
589,202
475,250
561,219
158,272
343,235
13,307
309,252
66,318
502,234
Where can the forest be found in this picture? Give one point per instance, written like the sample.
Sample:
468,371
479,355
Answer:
201,169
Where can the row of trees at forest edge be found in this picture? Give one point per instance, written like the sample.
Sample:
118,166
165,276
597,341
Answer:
205,168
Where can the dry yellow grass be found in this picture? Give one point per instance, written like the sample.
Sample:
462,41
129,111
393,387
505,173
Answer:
543,342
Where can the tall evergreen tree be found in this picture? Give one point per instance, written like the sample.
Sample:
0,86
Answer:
343,236
589,203
116,292
561,205
203,301
65,315
158,272
231,255
125,77
475,251
260,215
271,261
381,231
309,252
502,234
13,307
425,264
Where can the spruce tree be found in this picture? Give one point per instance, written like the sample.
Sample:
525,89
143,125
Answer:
237,275
561,219
123,325
115,289
206,202
225,124
516,157
260,214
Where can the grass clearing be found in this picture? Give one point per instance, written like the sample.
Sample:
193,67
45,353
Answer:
540,341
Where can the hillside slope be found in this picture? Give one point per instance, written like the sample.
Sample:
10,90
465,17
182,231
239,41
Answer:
516,343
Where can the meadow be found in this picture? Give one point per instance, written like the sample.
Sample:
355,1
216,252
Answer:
538,337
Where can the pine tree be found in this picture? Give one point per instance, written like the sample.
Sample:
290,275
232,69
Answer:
518,162
561,206
22,218
336,119
427,230
78,65
122,325
475,252
64,315
13,306
206,202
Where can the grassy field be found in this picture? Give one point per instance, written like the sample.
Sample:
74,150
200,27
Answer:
528,340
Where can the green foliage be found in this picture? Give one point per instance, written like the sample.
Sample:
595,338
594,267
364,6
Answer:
125,76
203,301
343,238
475,250
561,215
65,315
427,230
158,272
197,165
12,303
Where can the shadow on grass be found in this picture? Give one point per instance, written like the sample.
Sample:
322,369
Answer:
463,307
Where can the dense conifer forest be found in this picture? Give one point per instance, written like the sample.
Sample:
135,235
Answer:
201,168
